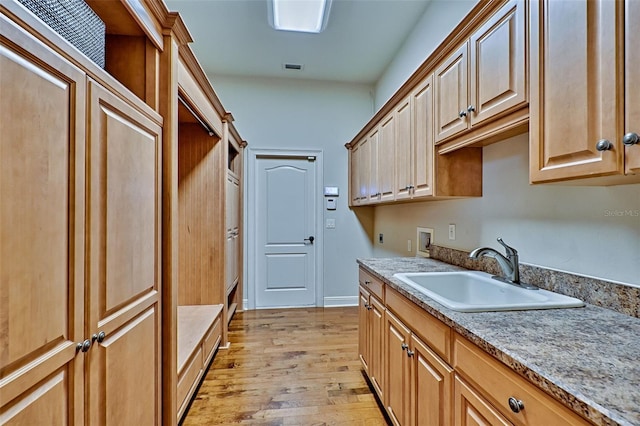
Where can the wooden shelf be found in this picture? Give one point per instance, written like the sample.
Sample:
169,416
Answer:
193,323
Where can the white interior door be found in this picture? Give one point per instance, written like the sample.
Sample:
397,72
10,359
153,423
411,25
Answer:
286,240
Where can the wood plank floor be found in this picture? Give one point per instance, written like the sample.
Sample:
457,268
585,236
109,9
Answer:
288,367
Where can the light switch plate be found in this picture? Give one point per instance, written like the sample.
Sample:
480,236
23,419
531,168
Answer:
330,224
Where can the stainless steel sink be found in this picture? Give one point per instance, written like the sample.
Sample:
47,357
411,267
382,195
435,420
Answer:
473,291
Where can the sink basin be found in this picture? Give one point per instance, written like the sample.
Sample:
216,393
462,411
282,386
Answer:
473,291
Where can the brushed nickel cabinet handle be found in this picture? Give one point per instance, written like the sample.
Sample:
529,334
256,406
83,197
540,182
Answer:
516,405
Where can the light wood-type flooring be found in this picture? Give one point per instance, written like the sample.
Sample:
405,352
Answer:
288,367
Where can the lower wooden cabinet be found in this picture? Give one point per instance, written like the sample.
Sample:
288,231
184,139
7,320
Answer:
418,382
434,376
371,335
371,352
471,409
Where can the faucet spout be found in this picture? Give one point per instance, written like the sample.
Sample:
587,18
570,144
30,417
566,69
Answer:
510,265
505,264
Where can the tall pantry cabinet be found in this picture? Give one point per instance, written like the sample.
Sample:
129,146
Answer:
90,221
80,237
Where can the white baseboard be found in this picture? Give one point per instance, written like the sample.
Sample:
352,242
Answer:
332,302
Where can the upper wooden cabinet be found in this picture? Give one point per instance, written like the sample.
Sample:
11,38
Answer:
582,81
632,83
485,77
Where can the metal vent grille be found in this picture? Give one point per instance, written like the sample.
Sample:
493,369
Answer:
295,67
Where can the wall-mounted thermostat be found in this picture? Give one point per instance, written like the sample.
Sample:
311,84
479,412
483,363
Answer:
331,191
331,203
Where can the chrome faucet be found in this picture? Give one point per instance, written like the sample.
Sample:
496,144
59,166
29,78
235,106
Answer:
509,264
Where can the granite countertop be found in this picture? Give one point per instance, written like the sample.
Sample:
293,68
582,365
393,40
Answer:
587,358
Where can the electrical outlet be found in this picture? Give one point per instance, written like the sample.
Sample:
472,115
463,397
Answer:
452,231
408,245
381,238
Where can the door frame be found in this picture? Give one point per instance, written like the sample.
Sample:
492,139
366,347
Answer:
250,240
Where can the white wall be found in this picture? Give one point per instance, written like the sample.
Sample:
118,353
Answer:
299,114
439,18
592,231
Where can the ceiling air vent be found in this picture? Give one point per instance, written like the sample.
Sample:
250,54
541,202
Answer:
295,67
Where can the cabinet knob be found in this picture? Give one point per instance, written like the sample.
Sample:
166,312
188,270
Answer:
604,145
471,108
410,353
462,114
516,405
99,337
631,139
367,282
83,346
404,346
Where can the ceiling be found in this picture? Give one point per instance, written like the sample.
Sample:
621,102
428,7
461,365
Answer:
233,37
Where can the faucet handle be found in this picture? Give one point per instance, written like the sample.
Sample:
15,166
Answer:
510,250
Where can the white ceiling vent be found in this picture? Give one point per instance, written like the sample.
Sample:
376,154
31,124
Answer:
293,67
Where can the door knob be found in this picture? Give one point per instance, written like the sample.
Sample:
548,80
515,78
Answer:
310,239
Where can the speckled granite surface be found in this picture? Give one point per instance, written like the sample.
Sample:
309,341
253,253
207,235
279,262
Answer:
587,358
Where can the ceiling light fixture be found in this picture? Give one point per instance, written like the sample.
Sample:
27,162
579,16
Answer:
305,16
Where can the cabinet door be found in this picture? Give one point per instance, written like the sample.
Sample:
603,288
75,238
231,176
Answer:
124,262
422,126
364,330
364,172
431,387
498,76
404,181
374,178
398,369
452,97
376,367
632,81
471,409
386,156
354,175
42,154
575,87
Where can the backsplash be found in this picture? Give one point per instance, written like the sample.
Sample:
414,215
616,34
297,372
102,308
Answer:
618,297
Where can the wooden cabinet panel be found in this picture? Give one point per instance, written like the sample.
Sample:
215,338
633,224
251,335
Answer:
422,161
431,387
354,175
364,171
632,83
42,150
376,366
404,178
498,75
398,367
364,338
124,261
570,115
386,154
472,410
451,94
374,175
124,372
498,383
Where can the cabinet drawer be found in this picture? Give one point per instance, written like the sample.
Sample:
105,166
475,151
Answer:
189,378
432,331
212,340
374,285
498,383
